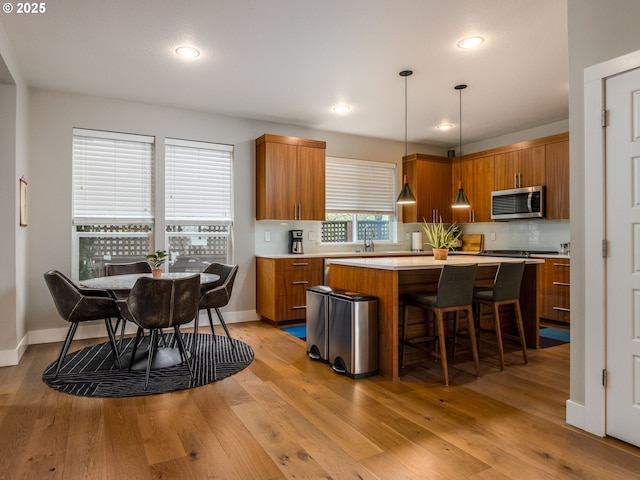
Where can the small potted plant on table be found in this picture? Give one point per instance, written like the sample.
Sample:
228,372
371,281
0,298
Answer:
156,260
440,238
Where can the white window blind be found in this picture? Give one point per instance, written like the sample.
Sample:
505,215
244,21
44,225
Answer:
198,182
112,177
359,186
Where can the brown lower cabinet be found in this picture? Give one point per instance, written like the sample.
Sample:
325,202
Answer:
282,287
555,287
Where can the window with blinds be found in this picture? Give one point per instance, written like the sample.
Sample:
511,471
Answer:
197,182
112,178
113,211
360,200
198,203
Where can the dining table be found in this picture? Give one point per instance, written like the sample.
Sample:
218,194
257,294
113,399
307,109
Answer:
120,286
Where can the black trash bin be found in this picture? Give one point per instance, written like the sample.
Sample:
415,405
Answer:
353,334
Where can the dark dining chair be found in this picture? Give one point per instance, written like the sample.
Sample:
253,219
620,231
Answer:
110,269
157,303
127,268
505,291
454,294
75,305
217,294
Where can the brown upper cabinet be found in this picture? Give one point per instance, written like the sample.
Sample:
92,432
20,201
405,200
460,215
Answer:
290,178
477,181
520,168
557,180
429,177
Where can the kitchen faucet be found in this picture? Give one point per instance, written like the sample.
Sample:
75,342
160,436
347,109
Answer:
368,242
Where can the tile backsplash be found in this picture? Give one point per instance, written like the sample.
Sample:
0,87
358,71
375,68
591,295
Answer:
538,234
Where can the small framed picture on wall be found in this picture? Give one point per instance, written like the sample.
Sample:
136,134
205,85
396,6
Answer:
23,202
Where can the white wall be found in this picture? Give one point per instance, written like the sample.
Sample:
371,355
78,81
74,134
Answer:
598,31
13,239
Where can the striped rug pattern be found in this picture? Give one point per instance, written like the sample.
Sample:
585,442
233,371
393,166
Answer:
91,371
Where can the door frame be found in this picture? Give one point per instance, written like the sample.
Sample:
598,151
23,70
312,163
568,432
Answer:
592,415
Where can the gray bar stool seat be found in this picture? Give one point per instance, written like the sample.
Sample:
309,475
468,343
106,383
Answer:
454,294
505,291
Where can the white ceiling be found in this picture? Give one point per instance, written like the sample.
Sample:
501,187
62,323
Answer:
290,61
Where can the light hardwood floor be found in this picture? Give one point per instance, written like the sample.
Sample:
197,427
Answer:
286,416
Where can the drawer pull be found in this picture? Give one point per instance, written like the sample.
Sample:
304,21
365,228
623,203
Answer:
304,282
562,284
562,309
299,307
300,264
561,264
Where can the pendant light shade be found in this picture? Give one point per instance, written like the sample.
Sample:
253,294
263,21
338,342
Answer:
406,195
461,200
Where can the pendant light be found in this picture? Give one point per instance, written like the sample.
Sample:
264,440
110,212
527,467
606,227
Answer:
406,195
461,200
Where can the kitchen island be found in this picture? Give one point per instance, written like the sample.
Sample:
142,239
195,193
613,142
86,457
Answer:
388,278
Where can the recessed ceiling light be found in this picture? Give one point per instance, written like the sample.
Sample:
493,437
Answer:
471,42
444,127
187,52
341,108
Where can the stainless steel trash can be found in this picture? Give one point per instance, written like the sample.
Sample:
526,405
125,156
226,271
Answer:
353,334
318,322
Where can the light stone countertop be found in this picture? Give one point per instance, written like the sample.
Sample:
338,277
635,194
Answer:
422,262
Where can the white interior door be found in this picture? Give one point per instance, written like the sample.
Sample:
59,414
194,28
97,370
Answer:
622,185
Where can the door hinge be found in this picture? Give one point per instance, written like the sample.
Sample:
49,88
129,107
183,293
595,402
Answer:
604,249
603,117
604,377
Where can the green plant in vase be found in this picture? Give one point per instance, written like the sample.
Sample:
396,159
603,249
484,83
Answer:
441,238
156,260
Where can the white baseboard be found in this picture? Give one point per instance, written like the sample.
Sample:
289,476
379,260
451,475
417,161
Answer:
96,330
575,414
12,357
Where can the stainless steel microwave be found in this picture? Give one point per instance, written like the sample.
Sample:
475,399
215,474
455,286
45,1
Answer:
527,202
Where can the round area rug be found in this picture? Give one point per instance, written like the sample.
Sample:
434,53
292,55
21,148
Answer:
91,371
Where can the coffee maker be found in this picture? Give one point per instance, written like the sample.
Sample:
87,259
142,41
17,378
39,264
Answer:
295,241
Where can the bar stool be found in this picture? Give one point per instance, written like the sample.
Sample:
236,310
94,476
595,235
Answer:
505,291
454,294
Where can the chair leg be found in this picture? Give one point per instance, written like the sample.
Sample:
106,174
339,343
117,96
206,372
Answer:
224,325
112,342
151,352
194,343
498,328
443,346
472,338
521,330
65,347
135,346
183,351
404,334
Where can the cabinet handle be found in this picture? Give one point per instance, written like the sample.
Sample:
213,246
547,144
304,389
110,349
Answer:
562,284
562,309
434,215
473,215
299,211
561,264
300,264
299,283
519,179
298,307
515,180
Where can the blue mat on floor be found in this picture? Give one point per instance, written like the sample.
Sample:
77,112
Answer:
300,331
550,337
